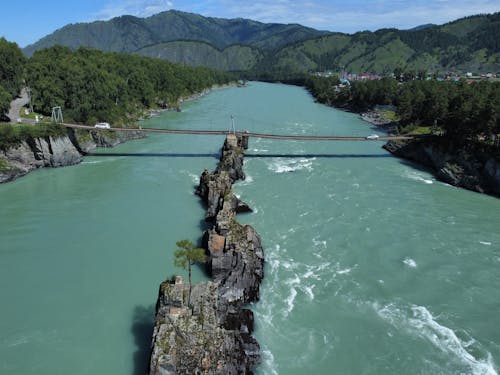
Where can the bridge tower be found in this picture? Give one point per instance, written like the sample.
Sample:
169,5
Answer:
57,116
232,129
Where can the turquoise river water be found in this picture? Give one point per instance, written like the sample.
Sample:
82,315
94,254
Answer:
372,266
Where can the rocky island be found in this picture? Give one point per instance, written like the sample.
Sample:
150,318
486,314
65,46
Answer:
213,334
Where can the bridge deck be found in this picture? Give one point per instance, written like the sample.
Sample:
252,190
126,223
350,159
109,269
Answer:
248,134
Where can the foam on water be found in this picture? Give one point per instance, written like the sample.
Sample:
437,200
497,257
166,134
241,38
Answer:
195,178
298,277
344,271
308,290
283,165
410,262
247,181
268,362
485,243
413,175
317,242
18,341
290,302
419,321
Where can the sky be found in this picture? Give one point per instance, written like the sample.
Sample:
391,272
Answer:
27,21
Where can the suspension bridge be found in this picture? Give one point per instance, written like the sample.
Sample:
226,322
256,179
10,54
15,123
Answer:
244,134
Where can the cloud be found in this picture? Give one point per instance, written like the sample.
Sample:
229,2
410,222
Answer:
333,15
352,16
139,8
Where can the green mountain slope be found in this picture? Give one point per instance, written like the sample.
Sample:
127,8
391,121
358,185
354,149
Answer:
472,43
194,53
128,33
468,44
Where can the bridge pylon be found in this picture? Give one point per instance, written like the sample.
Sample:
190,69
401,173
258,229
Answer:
57,116
232,128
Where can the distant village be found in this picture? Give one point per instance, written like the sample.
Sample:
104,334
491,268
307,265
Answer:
347,78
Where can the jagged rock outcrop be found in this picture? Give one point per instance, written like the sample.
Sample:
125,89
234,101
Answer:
192,340
213,336
477,171
231,160
87,141
61,151
37,153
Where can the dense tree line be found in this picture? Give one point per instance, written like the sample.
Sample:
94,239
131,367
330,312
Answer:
92,86
12,63
461,109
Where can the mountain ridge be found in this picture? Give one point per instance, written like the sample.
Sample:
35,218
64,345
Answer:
469,43
165,27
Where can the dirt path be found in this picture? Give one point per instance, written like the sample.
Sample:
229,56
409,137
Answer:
17,104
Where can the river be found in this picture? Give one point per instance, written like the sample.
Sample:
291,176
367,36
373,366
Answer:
372,266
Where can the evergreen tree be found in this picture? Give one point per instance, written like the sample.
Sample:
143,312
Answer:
185,256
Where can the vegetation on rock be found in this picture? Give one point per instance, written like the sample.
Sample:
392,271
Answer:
186,255
13,135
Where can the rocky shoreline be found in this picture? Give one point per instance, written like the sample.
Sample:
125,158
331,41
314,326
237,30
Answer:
213,334
476,171
471,170
34,153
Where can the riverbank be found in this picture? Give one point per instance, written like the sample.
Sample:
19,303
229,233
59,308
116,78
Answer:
473,169
55,151
185,99
214,333
383,117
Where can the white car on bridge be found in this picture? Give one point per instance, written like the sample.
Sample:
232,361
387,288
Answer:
102,125
372,136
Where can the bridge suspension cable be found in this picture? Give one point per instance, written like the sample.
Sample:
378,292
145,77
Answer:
244,134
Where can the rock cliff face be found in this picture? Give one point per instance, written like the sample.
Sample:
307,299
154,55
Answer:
37,153
213,335
55,151
87,141
473,171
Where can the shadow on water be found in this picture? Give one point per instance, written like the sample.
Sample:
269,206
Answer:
415,165
155,155
142,329
182,155
340,156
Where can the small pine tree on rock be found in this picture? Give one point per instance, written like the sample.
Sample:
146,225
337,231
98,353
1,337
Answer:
186,255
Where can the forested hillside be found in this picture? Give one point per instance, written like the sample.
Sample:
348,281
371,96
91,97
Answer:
93,85
461,111
193,53
130,34
468,44
11,73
